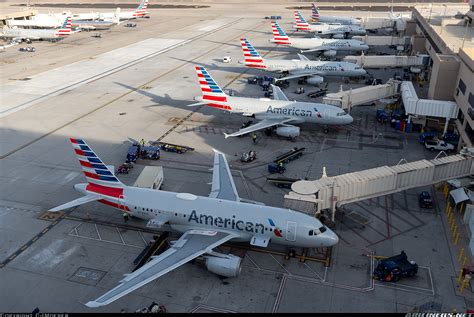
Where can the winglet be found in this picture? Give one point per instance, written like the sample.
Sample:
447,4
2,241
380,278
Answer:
93,304
226,135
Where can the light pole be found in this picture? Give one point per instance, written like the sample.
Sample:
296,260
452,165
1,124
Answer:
442,18
465,33
431,6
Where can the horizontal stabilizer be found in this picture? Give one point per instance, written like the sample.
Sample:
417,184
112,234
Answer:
196,104
76,202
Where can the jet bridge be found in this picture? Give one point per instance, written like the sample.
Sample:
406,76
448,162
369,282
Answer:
362,96
335,191
382,61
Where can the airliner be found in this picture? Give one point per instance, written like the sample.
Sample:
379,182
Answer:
139,12
328,47
316,16
19,34
315,71
205,222
279,112
335,30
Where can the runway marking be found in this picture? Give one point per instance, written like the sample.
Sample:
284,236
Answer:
34,239
128,92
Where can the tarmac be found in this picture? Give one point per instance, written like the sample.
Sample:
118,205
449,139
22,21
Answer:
136,83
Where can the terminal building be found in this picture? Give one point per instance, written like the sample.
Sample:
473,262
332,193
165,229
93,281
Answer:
447,38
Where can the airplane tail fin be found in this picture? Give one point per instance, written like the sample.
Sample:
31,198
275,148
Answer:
301,23
65,29
212,94
314,12
279,36
141,9
98,175
251,57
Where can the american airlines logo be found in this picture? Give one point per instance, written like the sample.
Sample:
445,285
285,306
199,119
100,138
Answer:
335,44
230,223
326,68
290,111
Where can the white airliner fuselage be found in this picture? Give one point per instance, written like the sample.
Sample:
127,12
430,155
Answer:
329,29
321,68
31,34
186,212
338,19
318,44
299,112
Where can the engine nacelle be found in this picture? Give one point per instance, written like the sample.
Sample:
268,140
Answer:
330,53
288,131
228,266
338,36
314,80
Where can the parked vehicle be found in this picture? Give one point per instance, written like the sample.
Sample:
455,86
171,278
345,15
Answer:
150,152
438,145
393,268
276,168
319,93
282,182
124,168
227,59
424,200
382,116
130,25
133,153
252,80
27,49
169,147
289,156
248,156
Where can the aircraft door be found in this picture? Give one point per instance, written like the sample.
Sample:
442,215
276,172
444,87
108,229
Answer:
290,231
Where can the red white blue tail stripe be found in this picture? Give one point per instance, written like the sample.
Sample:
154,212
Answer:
279,35
65,29
314,12
301,23
101,180
211,92
251,57
141,9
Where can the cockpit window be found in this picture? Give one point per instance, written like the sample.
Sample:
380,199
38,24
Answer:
340,114
310,232
322,229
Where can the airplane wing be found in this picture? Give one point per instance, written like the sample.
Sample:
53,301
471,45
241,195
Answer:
313,50
278,94
298,75
223,186
76,202
303,58
192,244
266,123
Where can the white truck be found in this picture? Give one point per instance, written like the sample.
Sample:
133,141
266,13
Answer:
438,145
150,177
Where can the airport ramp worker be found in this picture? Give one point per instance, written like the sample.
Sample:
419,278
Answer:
125,216
254,137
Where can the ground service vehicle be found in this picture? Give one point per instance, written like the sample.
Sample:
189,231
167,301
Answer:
424,200
438,145
393,268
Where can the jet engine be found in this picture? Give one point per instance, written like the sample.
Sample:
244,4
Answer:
228,265
288,131
338,36
314,80
330,53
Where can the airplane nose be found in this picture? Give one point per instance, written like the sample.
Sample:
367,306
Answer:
329,238
349,119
